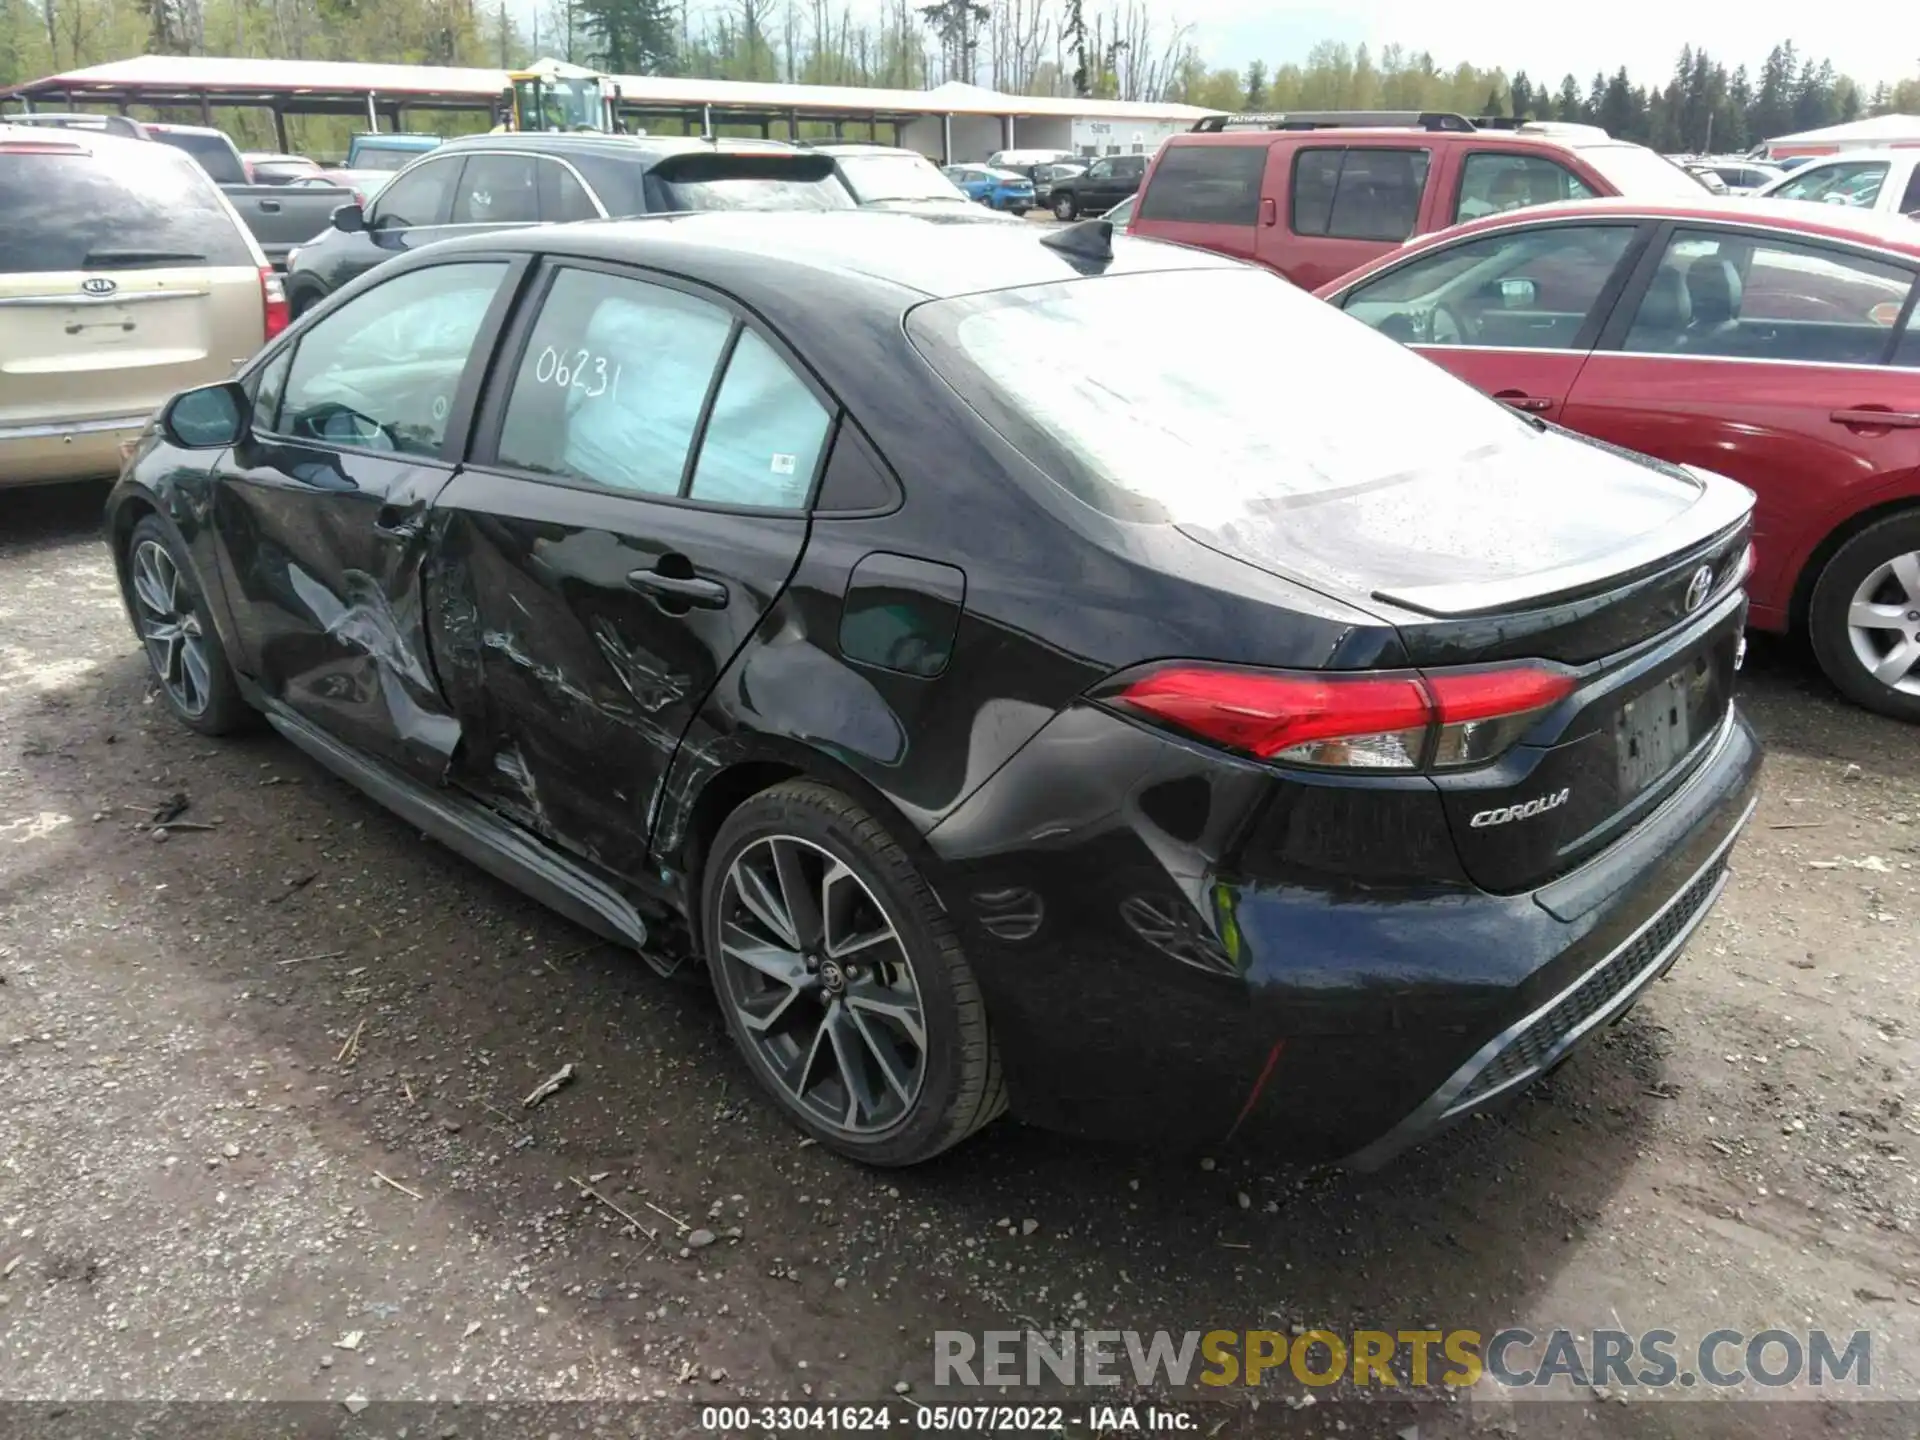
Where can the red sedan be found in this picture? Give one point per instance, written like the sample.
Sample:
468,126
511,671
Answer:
1772,342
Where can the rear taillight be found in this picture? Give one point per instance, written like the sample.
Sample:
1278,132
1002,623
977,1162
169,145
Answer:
273,295
1360,720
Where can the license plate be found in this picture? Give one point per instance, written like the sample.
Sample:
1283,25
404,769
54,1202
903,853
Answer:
1654,731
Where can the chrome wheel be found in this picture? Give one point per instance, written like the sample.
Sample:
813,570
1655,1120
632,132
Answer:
171,628
1883,623
815,971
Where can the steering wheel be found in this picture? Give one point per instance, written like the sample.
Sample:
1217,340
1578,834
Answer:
1445,327
343,425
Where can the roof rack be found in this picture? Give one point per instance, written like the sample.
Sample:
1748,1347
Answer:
1354,120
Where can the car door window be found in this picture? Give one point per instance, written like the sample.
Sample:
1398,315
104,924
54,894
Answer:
1910,201
381,372
1362,193
1207,185
765,433
1492,182
1100,170
562,197
422,196
1748,297
1907,353
1855,182
612,383
1525,289
269,385
496,190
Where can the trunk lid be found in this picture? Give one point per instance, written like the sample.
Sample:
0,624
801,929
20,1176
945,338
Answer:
1625,573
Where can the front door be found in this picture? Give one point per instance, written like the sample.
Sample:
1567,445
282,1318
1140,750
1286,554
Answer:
1512,313
638,501
323,507
1763,357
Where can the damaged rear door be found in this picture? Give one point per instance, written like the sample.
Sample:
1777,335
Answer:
323,505
642,468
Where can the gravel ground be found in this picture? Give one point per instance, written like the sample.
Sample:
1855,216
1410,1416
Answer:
263,1136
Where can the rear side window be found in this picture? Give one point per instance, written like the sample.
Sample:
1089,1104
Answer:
1363,193
1206,185
561,196
612,383
1492,182
746,182
1855,182
765,435
214,152
128,206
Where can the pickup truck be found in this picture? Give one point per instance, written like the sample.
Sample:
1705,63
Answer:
390,151
281,217
1883,180
1313,196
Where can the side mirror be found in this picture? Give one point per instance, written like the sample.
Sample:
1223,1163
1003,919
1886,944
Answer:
350,219
210,418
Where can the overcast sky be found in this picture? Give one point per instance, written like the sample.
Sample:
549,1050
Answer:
1550,41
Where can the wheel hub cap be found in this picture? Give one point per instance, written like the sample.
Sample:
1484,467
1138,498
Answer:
170,627
1883,623
816,974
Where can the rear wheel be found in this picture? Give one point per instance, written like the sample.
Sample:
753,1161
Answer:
1063,207
1864,621
842,980
183,649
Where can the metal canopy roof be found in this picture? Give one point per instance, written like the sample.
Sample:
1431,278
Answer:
322,84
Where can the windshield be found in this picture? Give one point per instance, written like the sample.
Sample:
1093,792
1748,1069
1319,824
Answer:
1165,397
385,157
563,104
1637,171
894,177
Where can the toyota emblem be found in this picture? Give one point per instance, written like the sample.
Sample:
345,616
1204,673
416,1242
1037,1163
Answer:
1698,587
98,285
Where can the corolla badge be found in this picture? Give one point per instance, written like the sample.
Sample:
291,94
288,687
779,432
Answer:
1505,813
1698,587
99,285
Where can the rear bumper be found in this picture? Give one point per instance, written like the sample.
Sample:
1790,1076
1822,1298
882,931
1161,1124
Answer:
1144,984
44,452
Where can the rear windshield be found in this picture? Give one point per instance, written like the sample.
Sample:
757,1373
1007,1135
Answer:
1637,171
138,206
746,182
214,152
1197,396
895,177
385,157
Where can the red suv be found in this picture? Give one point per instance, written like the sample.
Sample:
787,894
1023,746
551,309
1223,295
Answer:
1772,341
1313,196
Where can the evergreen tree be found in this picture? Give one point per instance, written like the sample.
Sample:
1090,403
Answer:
1568,107
1256,90
629,37
1521,93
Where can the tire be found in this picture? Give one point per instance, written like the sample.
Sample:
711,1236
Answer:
1064,208
1879,570
803,1013
1020,211
171,618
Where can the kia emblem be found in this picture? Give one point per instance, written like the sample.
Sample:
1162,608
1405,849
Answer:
98,285
1698,587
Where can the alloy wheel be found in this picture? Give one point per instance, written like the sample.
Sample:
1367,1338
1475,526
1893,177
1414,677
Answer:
1883,623
171,628
816,973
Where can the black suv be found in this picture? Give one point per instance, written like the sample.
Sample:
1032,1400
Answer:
1103,185
491,182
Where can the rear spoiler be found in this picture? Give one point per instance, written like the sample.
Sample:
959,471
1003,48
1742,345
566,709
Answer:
694,166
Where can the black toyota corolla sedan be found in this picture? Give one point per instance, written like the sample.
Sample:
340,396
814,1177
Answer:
1042,671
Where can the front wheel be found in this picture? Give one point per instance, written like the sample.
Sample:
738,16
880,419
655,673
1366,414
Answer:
183,648
1864,621
1063,207
842,980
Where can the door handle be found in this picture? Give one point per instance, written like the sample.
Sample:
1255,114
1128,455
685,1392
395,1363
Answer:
1872,416
691,590
1533,404
1269,211
270,207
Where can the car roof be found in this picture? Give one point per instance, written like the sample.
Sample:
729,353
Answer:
1347,134
1881,230
861,248
189,130
854,147
87,141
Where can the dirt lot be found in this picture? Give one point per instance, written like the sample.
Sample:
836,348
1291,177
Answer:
262,1093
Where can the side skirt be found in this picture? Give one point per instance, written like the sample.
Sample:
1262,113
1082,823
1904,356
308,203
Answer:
471,830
